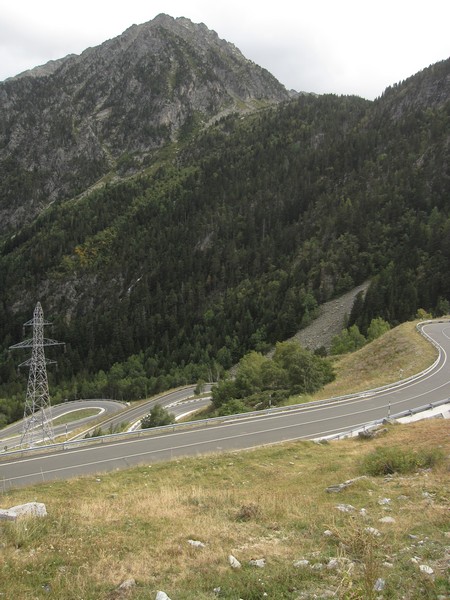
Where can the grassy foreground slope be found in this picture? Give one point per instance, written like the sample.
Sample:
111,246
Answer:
269,503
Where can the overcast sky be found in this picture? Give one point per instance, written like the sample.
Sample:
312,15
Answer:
340,46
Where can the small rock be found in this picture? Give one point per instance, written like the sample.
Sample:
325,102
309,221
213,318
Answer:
196,543
379,585
162,596
384,501
351,567
258,562
234,562
347,508
372,531
412,536
386,520
388,565
127,584
328,533
366,434
301,563
217,590
333,563
7,515
363,512
341,486
426,569
31,509
334,488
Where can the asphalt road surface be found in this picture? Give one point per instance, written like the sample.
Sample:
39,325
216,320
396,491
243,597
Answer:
305,422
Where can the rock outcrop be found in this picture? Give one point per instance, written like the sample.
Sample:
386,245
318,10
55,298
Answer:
30,509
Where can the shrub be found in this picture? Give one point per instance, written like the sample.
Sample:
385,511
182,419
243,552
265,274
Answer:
157,417
200,387
388,460
377,328
348,340
248,512
232,407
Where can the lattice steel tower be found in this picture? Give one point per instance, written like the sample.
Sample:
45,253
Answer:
37,421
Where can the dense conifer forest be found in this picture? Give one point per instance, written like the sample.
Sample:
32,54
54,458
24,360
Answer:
230,240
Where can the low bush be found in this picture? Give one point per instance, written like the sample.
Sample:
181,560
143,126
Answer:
393,459
157,417
248,512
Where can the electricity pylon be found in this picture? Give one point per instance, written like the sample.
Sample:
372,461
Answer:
37,421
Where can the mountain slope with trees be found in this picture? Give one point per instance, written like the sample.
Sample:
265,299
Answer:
231,238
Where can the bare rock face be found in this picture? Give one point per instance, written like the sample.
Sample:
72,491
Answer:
64,125
430,88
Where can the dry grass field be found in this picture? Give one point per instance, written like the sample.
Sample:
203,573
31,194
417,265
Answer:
398,354
268,503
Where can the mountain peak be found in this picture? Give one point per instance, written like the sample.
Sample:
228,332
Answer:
126,97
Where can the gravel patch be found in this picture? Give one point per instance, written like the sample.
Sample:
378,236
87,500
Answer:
330,322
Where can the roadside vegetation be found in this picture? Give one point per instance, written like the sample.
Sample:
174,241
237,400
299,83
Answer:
99,430
157,417
260,382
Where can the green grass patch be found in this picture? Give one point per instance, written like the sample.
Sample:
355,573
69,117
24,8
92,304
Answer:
76,415
387,460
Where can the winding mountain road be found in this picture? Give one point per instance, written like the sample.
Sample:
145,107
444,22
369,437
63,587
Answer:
112,412
11,434
303,422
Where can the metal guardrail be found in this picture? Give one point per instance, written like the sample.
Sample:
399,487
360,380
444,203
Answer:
377,422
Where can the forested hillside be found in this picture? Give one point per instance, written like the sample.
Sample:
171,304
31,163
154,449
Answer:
231,238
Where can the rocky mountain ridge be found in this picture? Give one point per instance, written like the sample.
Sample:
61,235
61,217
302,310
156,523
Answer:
67,124
430,88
